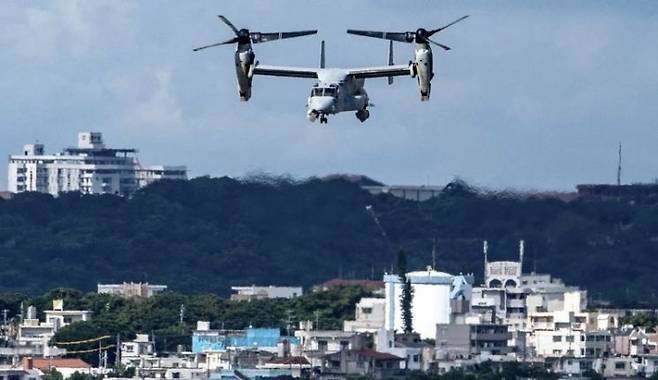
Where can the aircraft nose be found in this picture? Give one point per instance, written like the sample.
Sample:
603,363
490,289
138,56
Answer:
322,103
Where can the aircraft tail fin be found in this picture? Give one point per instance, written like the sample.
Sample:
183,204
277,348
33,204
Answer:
390,59
322,55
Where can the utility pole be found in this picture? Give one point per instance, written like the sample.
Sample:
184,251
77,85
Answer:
434,254
117,359
181,314
619,167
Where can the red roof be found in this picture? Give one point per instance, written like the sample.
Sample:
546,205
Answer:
45,364
372,354
370,284
292,360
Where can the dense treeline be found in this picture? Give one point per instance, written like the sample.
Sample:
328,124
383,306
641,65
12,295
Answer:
207,234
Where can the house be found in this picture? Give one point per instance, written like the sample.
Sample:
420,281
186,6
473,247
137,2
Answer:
132,352
363,362
66,367
26,371
369,316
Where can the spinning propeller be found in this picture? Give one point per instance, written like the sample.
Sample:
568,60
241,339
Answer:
419,36
244,36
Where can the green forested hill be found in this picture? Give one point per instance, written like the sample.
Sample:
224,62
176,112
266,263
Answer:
207,234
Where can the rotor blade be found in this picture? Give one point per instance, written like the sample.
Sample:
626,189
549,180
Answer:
446,26
393,36
231,41
230,24
257,37
444,47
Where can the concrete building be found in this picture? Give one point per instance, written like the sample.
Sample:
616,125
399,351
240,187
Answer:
205,339
32,332
90,168
369,316
131,289
59,317
466,340
433,296
249,293
364,362
324,341
133,352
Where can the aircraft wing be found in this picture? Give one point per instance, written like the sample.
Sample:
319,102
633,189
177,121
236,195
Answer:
282,71
383,71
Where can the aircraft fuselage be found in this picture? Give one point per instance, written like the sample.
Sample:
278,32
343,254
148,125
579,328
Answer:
335,92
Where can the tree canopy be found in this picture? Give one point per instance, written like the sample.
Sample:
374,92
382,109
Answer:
207,234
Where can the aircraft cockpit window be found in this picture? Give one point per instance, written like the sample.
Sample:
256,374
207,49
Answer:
330,91
316,92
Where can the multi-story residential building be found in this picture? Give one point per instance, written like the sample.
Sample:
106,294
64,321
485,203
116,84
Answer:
131,289
466,340
90,168
34,333
135,351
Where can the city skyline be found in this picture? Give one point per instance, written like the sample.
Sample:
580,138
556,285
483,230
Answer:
531,96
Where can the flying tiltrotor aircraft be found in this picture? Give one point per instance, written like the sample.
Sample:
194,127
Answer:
337,90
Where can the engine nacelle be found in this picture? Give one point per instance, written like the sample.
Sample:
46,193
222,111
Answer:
423,68
244,68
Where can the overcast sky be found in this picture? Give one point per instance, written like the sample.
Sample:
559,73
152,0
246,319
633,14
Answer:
534,95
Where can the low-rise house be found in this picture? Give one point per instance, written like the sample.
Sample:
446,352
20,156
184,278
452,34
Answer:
66,367
362,362
24,371
417,354
369,316
132,352
297,365
616,367
172,367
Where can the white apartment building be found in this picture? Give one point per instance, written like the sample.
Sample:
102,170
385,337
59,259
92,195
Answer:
90,168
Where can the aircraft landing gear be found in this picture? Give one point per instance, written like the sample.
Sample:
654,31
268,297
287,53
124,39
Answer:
323,119
362,115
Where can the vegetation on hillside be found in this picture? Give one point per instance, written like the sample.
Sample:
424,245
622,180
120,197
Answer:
160,315
207,234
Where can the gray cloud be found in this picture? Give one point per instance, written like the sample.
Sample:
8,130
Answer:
534,95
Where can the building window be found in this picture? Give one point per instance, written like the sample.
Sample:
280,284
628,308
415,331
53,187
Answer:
557,338
570,338
322,345
620,365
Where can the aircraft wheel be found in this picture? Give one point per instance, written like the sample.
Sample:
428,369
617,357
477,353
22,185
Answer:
362,115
